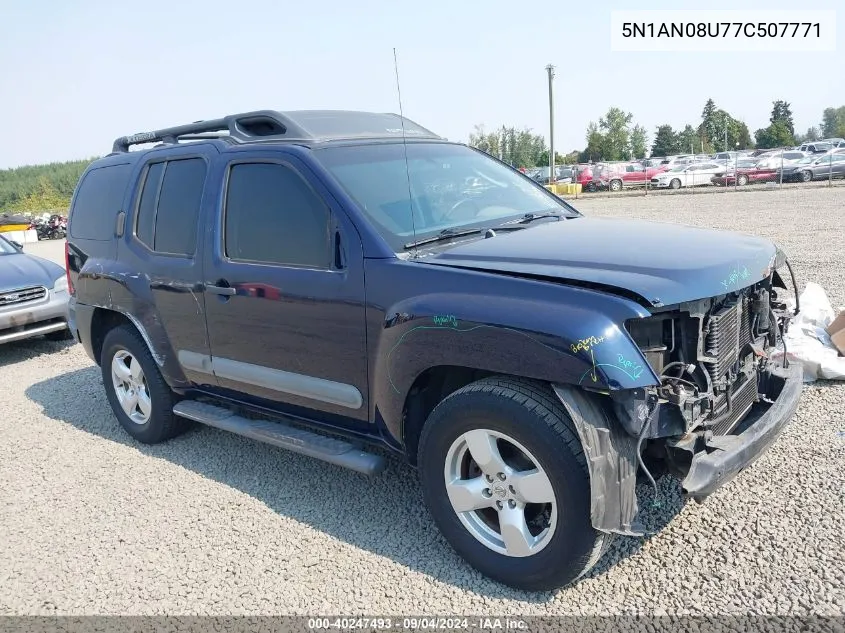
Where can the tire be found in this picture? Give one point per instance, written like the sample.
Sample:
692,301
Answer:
522,420
675,184
61,335
742,180
615,185
806,176
123,345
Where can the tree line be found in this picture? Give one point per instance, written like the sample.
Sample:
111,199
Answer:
36,188
616,136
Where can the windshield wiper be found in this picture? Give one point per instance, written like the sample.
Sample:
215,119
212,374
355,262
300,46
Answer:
447,234
530,217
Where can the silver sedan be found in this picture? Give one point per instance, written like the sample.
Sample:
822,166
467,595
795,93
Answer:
33,296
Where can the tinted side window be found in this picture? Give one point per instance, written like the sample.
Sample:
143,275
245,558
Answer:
273,216
97,202
179,206
147,205
170,204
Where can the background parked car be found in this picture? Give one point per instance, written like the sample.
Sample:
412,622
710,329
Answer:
563,175
815,168
693,175
746,171
816,147
33,296
773,160
633,174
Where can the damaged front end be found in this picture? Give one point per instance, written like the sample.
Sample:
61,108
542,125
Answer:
721,400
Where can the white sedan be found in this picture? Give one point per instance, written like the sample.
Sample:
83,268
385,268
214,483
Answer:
693,175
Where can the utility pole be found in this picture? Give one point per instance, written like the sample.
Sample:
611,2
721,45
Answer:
551,71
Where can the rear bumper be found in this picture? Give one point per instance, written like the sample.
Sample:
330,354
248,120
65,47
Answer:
29,319
79,321
723,457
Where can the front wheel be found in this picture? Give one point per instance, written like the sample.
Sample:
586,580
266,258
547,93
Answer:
615,185
506,480
742,180
806,176
675,184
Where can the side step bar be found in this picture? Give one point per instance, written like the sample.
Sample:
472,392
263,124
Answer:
332,450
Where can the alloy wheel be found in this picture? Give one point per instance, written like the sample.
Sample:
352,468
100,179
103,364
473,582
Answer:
500,493
130,387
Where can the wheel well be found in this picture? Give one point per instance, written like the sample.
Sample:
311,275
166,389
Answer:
102,323
428,390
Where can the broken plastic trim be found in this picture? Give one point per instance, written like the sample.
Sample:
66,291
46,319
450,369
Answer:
611,463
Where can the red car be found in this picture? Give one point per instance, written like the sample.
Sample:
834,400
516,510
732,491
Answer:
743,175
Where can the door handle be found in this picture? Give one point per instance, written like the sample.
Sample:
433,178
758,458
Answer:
225,291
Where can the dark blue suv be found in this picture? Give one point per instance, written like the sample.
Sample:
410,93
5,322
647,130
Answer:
340,283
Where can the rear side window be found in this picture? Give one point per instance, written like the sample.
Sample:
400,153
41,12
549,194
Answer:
98,201
169,206
273,216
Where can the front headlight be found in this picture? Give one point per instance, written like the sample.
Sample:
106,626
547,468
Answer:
60,285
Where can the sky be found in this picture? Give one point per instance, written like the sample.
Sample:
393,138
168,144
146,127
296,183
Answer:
76,75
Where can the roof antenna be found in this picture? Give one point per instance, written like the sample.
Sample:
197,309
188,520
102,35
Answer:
405,149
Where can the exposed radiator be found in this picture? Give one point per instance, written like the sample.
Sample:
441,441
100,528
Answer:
741,401
729,330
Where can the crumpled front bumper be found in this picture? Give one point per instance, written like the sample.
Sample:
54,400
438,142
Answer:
724,456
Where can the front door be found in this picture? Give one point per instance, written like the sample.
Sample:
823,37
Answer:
284,289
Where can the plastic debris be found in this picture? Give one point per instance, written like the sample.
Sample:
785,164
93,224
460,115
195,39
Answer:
806,340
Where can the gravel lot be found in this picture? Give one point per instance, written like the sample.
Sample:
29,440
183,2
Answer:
92,522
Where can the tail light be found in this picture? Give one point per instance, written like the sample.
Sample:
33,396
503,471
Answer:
67,268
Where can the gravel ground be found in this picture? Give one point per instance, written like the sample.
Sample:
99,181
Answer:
209,523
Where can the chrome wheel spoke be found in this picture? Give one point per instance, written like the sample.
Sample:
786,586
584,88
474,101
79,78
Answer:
135,370
468,494
119,369
515,533
485,451
129,402
533,486
144,403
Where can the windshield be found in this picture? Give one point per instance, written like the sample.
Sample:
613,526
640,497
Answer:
6,248
451,187
806,161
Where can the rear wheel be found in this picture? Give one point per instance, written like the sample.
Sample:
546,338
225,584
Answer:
139,397
506,481
675,184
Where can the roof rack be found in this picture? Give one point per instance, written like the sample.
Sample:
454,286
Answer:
271,125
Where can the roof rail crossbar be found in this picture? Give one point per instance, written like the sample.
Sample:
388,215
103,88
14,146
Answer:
240,127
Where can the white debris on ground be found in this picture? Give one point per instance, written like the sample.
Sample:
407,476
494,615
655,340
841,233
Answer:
807,341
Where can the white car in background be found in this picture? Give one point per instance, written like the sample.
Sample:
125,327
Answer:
693,175
773,160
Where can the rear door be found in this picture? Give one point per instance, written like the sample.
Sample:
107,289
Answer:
285,289
160,238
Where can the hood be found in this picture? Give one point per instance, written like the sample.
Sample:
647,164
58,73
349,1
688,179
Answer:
663,264
20,270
